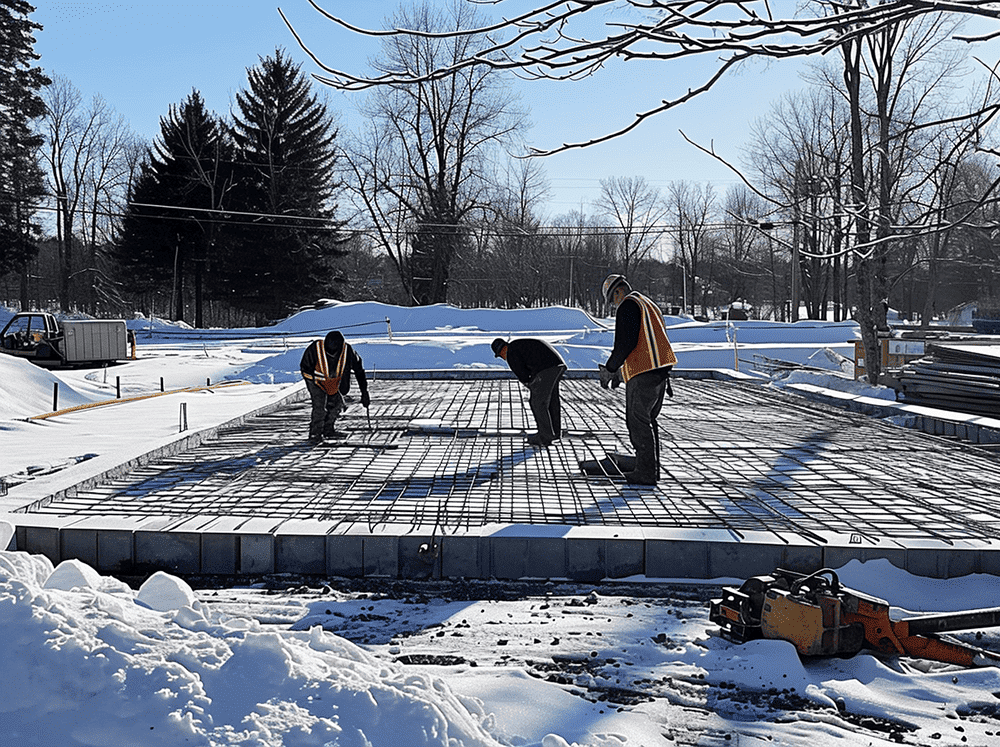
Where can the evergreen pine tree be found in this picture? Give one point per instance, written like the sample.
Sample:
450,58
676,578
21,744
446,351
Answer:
21,180
285,139
171,229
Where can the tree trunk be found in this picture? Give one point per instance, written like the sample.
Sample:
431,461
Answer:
198,318
25,300
178,293
862,271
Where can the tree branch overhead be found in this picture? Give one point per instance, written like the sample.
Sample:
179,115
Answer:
571,40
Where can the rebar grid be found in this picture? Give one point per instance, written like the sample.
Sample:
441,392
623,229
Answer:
452,454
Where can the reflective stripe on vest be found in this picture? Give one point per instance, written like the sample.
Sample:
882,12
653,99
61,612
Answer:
653,349
329,384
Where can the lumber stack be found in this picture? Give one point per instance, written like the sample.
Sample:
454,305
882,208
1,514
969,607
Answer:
962,376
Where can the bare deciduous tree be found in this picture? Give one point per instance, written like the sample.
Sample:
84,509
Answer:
800,155
523,188
67,132
744,270
508,256
637,209
106,186
692,213
91,157
423,166
891,94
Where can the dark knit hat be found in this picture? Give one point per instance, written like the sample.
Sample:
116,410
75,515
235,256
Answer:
334,341
498,345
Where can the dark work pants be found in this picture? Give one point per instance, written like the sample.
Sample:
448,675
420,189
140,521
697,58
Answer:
543,397
643,401
325,409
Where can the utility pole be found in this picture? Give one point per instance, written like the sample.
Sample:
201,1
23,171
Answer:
569,295
795,275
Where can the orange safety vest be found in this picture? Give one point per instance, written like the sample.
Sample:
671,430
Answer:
653,349
322,378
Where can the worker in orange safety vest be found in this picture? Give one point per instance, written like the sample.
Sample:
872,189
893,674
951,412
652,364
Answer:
326,366
642,357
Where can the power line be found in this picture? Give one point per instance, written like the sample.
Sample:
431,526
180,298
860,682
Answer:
222,216
537,231
226,213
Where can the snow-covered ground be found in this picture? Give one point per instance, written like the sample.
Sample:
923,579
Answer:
91,661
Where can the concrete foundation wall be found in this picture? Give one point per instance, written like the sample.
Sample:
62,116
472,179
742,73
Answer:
568,553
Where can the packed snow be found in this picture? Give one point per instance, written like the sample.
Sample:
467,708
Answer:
89,660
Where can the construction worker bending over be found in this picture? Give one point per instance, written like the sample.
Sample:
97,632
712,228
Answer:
326,365
643,354
538,366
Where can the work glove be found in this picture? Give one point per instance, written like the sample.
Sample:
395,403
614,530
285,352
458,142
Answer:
606,375
608,378
365,399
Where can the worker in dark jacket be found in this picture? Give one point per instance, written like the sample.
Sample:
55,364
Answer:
642,357
538,366
326,366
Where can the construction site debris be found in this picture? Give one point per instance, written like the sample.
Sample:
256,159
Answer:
962,376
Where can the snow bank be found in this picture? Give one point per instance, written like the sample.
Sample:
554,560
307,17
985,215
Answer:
882,579
460,352
836,381
24,387
370,318
445,337
100,665
367,317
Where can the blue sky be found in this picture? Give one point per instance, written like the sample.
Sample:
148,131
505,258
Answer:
142,57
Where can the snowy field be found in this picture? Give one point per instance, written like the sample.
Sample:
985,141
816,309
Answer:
90,661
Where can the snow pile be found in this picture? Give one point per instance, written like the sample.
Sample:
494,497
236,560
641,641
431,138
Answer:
919,594
368,317
835,381
920,702
26,388
374,319
91,662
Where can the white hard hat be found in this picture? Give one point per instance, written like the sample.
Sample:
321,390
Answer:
611,284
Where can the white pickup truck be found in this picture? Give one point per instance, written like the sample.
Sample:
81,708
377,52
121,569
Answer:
43,339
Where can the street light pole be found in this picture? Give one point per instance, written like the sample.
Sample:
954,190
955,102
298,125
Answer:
684,285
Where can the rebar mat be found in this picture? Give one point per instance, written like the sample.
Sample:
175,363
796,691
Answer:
452,454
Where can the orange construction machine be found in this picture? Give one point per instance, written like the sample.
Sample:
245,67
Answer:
822,618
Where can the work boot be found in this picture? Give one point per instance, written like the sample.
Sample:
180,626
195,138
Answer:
603,468
640,478
335,434
314,440
538,440
624,462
